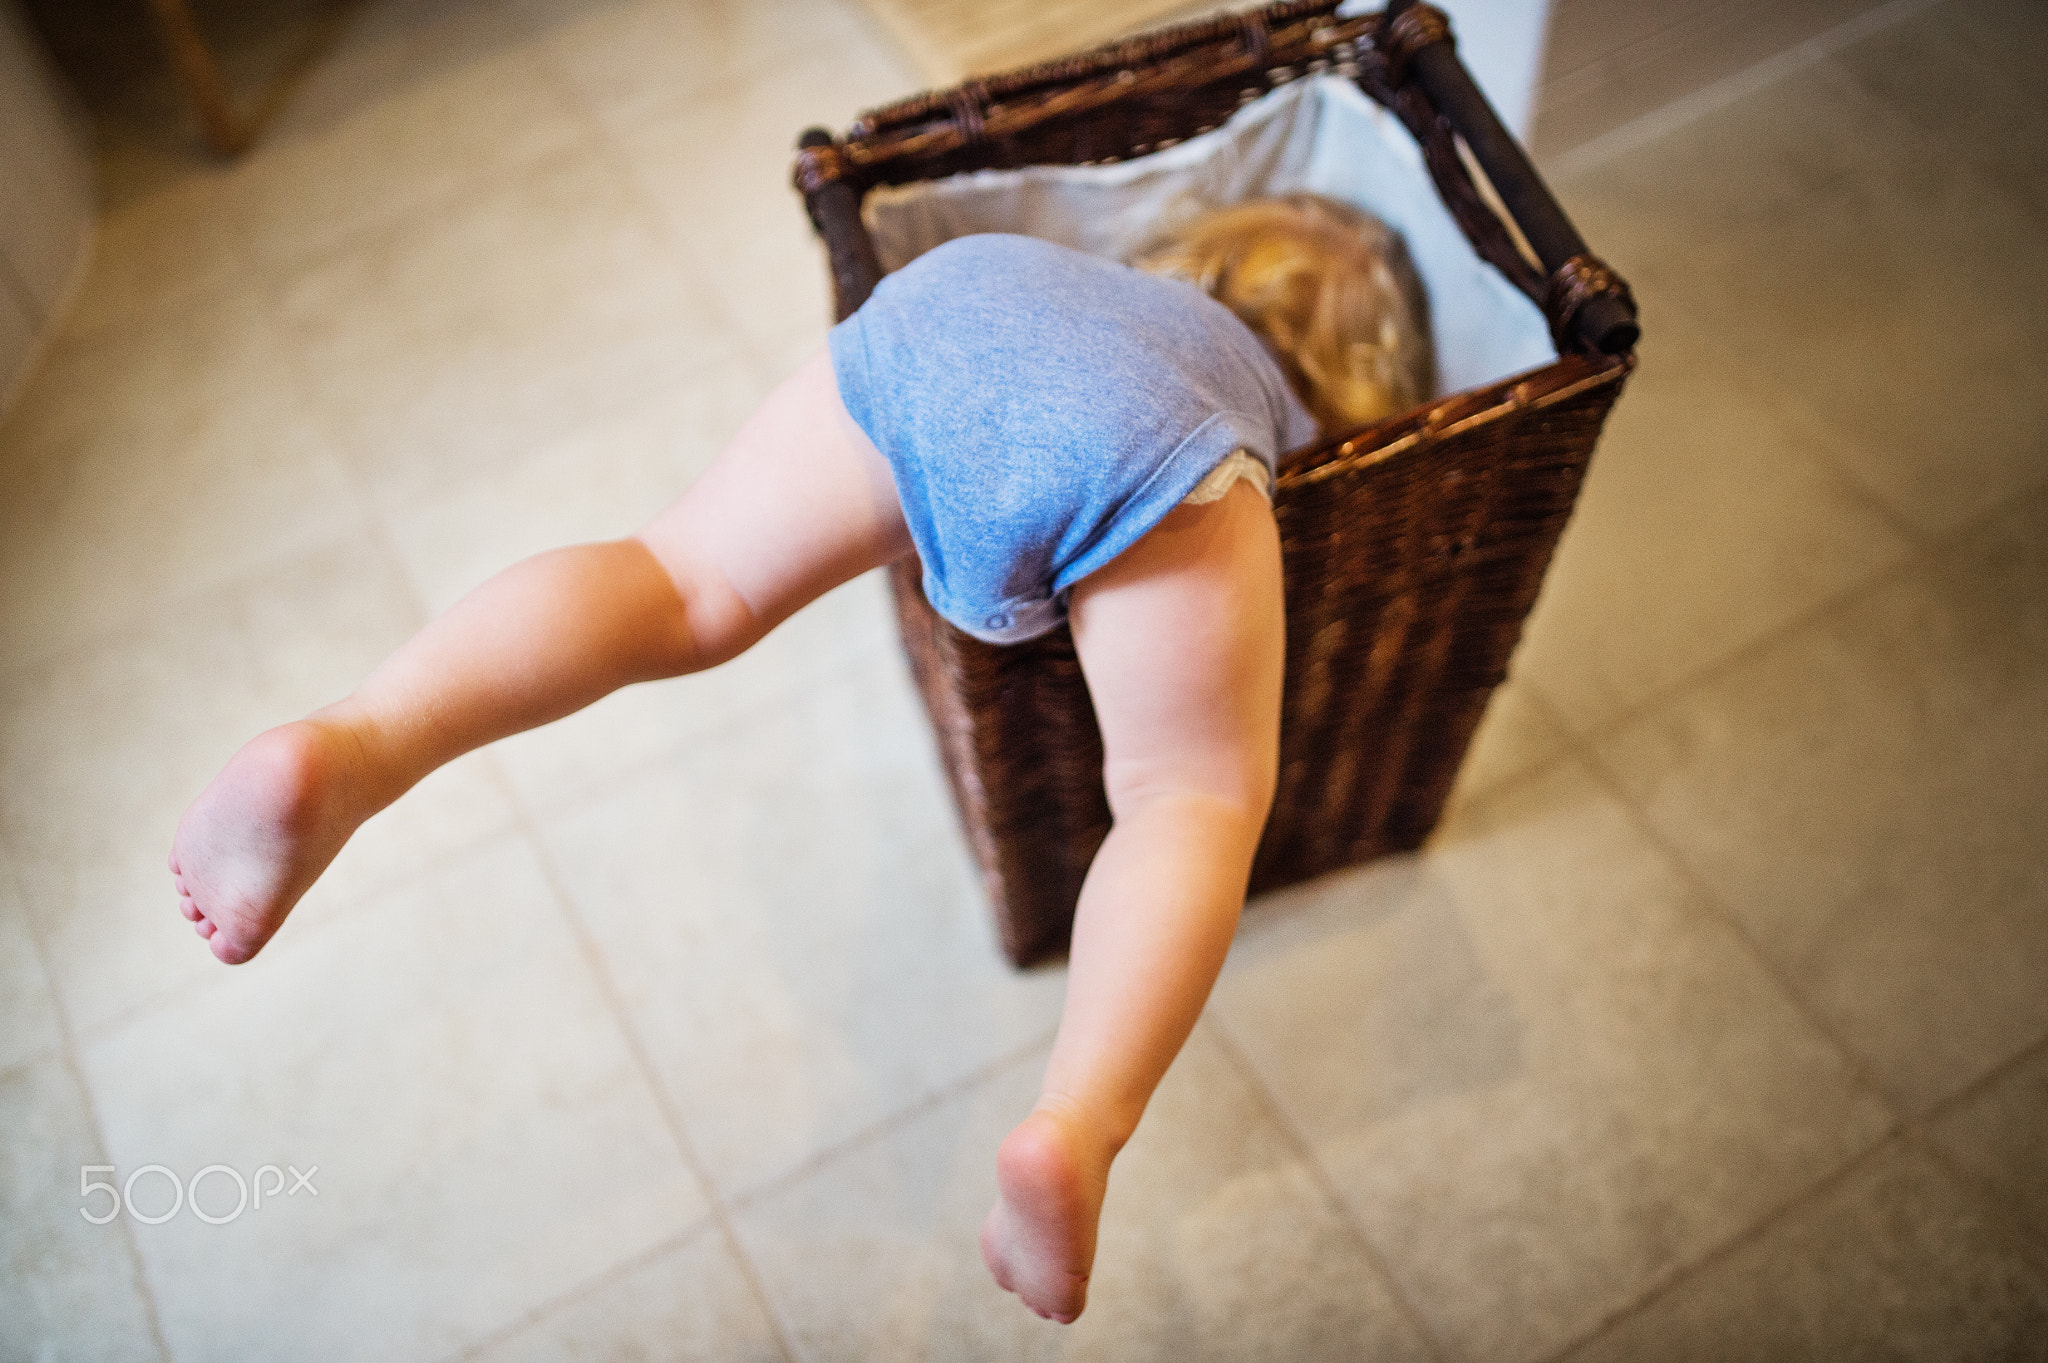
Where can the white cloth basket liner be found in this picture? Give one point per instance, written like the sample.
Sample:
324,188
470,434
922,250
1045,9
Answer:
1322,135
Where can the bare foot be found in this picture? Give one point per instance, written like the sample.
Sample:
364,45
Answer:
1039,1238
259,836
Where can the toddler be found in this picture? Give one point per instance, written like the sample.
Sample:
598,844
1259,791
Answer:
1056,436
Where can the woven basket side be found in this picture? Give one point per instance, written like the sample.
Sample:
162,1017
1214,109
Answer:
1023,756
1408,578
1413,548
1411,555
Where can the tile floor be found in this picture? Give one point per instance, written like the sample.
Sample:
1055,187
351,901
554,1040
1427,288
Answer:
1713,1023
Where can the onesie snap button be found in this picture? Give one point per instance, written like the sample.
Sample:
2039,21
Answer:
999,621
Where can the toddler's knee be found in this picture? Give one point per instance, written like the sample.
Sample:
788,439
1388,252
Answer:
1232,800
712,622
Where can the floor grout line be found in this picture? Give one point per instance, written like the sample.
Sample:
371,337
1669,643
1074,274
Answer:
1658,123
2031,1245
584,1290
1858,1070
687,255
528,824
1304,1151
2018,1060
1678,1276
878,1131
1718,911
650,1076
1920,556
75,1070
1598,70
595,963
1812,435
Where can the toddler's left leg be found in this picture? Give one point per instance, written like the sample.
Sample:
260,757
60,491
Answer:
798,503
1181,641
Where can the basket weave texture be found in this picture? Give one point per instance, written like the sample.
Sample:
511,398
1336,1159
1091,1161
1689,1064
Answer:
1412,549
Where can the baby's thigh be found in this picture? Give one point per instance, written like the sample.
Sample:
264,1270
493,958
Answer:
1182,640
797,503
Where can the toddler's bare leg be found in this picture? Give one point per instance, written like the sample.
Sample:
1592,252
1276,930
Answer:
1181,639
798,503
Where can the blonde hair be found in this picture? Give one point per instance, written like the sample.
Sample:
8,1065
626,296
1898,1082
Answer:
1328,288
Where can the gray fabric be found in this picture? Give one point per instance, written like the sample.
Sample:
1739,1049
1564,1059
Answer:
1041,409
1320,135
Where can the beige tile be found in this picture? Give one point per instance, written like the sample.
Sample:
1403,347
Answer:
1995,1135
298,70
1865,797
1216,1241
1584,33
46,201
776,286
791,917
690,1302
1539,1072
444,1058
1968,74
46,227
369,55
605,478
164,249
178,472
1892,1263
778,354
848,633
29,1027
750,238
1609,61
602,480
1893,294
317,181
101,750
146,133
68,1289
627,57
1516,737
20,343
458,339
1711,517
951,40
384,109
39,127
144,382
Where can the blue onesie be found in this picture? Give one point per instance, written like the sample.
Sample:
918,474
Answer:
1041,409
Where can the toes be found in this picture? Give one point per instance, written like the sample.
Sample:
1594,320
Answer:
189,909
204,926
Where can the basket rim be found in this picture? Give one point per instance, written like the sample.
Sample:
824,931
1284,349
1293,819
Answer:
1455,414
1300,37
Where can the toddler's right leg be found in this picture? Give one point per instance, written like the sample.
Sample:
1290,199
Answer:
1181,640
799,502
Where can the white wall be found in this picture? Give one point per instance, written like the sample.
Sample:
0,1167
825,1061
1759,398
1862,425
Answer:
46,198
1501,44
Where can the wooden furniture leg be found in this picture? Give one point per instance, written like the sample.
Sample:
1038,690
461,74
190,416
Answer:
201,76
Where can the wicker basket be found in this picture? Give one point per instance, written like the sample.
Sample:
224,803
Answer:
1413,549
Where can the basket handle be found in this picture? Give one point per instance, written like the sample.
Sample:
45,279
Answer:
834,208
1588,302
